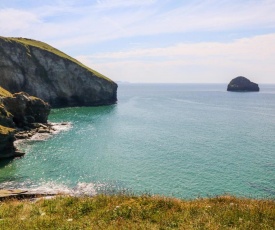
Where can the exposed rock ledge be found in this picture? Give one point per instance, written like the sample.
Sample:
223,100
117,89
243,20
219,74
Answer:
7,149
22,194
21,115
242,84
39,132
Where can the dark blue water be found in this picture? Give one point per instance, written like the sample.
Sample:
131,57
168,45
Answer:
178,140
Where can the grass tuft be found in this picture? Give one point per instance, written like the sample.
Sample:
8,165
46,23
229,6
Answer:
4,93
137,212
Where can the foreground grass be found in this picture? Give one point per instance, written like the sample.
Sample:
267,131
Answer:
137,212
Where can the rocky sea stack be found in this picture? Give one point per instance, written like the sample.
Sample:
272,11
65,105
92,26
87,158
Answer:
47,73
242,84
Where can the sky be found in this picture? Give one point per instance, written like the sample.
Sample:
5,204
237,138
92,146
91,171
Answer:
165,41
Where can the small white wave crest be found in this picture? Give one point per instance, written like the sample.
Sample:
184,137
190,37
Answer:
56,128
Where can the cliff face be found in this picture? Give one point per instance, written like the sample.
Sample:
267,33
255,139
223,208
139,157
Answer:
6,142
45,72
26,109
18,111
242,84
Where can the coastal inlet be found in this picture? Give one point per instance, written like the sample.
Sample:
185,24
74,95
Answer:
180,140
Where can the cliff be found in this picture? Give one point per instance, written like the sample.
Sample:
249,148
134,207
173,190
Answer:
6,143
242,84
47,73
18,112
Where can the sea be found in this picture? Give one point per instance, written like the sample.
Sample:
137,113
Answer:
176,140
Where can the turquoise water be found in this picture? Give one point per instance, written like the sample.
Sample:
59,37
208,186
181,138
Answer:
179,140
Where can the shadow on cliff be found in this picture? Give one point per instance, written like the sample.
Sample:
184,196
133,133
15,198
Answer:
82,113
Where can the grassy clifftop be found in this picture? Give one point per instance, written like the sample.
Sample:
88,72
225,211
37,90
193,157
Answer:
138,212
44,46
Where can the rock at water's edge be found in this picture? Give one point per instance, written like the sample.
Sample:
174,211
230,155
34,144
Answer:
18,112
242,84
26,109
7,149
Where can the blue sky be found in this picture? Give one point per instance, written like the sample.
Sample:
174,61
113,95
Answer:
154,40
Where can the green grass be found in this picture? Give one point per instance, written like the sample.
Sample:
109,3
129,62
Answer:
3,113
4,93
5,130
30,42
138,212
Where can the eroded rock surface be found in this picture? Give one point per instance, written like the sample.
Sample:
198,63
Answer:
26,109
7,138
20,113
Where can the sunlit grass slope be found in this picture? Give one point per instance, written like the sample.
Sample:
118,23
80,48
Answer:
4,93
30,42
138,212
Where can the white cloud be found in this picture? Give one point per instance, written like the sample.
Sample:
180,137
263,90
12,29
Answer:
212,62
123,3
262,46
72,23
17,20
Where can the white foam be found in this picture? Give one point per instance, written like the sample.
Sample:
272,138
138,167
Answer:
59,127
55,129
81,189
87,189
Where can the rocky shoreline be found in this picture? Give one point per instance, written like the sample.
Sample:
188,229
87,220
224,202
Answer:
41,131
34,132
21,117
23,194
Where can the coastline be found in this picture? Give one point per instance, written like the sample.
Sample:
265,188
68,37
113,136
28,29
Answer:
40,132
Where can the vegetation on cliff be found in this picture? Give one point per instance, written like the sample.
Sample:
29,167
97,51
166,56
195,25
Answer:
18,112
137,212
5,116
4,93
7,148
